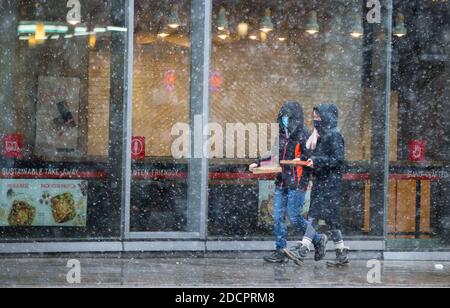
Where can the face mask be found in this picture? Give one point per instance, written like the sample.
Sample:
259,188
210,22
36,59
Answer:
285,122
318,125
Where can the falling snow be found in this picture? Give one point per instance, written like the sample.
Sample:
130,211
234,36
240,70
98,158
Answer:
121,125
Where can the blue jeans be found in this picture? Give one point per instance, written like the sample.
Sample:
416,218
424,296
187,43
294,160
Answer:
290,202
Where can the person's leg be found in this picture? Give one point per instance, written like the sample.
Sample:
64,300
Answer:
295,203
321,246
298,254
337,238
333,219
279,211
341,249
280,228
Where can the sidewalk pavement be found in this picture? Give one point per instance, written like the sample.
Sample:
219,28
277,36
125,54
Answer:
212,271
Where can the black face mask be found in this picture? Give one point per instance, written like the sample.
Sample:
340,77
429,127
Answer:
318,125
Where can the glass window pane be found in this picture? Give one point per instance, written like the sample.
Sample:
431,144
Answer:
267,53
418,216
55,74
161,117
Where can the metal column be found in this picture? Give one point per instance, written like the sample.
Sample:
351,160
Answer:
201,14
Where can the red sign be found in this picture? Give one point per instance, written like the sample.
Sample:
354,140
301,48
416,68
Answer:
13,146
417,150
138,148
216,82
170,79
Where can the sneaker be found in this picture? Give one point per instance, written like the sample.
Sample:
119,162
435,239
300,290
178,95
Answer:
297,254
277,257
321,248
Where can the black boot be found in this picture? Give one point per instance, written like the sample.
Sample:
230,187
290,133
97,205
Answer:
297,254
321,248
277,257
341,258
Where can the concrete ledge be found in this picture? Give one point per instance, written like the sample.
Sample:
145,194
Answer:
11,248
417,256
164,246
268,245
203,247
162,236
149,246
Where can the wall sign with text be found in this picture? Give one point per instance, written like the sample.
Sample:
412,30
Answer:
417,150
12,146
138,148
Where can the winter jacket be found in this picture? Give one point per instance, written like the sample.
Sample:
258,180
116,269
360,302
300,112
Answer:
292,145
328,159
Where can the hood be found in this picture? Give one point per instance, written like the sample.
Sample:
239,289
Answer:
329,114
296,118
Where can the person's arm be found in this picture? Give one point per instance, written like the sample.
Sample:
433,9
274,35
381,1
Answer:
336,157
263,158
307,172
306,177
270,155
266,157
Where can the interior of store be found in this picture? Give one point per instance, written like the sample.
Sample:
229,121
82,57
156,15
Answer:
263,54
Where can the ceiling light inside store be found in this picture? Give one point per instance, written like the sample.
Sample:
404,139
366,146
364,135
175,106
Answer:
312,27
243,29
92,40
264,36
223,34
357,29
266,22
222,21
116,29
99,30
400,28
254,34
32,41
283,30
73,22
40,35
163,33
174,19
27,27
81,34
80,29
61,29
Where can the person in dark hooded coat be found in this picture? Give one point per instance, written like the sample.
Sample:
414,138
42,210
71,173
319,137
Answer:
291,185
327,156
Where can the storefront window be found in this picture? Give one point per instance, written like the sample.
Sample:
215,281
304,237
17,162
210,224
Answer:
64,116
418,215
162,61
56,72
266,53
